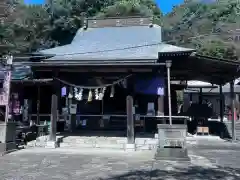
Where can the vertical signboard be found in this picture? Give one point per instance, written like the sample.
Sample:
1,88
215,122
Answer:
4,95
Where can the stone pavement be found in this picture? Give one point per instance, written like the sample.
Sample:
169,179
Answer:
75,164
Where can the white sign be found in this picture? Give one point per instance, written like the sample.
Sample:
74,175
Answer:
64,111
73,108
84,122
160,91
133,110
150,109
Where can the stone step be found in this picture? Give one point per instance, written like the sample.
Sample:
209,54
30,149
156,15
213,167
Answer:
94,145
146,146
109,146
145,141
108,142
81,140
90,141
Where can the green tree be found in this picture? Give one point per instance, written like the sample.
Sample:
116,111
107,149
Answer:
39,26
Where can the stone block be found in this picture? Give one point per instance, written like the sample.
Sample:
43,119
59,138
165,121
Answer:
130,147
51,144
146,147
40,144
65,145
152,141
172,154
122,141
110,146
141,141
79,140
8,132
31,143
172,142
87,145
172,135
7,147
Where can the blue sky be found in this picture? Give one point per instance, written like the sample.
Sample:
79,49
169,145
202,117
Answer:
165,5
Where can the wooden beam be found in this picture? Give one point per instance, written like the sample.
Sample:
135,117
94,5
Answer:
92,70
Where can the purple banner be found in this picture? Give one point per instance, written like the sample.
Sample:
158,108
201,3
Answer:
64,91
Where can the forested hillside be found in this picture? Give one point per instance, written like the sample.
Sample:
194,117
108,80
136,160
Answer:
208,27
209,23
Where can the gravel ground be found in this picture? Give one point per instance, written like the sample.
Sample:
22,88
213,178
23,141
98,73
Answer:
75,164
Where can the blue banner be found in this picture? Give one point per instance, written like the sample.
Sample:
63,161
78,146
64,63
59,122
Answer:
149,85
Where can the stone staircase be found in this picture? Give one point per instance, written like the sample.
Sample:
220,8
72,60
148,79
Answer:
97,142
229,129
107,142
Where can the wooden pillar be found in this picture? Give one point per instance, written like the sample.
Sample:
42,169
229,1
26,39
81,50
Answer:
130,120
221,103
38,104
168,66
129,110
53,126
160,105
200,96
233,109
54,109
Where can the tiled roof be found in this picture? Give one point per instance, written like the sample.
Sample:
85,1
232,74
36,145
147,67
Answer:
111,43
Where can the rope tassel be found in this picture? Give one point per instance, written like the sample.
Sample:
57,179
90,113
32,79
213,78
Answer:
96,94
112,91
90,96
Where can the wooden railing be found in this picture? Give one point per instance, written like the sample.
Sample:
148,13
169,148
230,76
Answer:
112,121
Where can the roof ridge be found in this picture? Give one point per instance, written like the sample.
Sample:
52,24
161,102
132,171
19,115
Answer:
118,22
